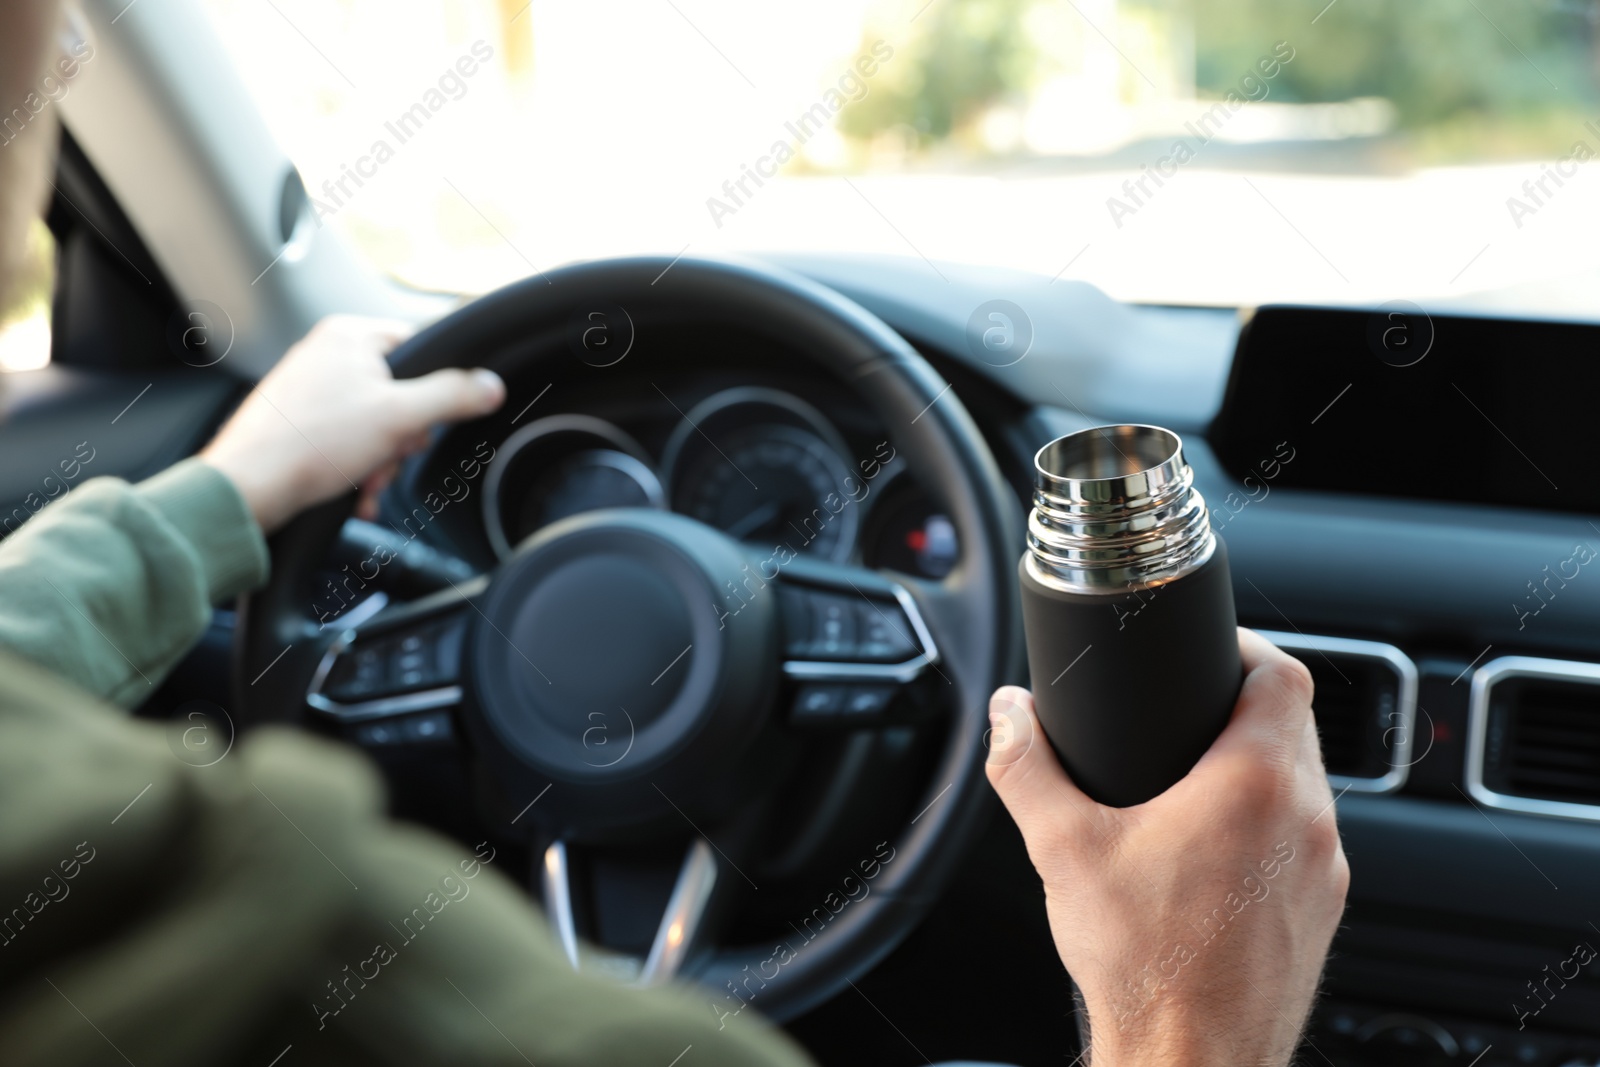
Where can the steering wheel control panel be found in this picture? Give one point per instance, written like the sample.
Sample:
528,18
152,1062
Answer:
852,654
827,626
398,663
394,681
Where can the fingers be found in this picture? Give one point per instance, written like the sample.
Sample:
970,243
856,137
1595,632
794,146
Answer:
372,490
373,487
447,396
347,329
1275,701
1268,753
1254,650
1024,771
1277,689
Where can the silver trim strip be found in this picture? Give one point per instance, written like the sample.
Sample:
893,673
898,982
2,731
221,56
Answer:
363,611
422,700
900,673
1405,703
1484,679
681,921
555,878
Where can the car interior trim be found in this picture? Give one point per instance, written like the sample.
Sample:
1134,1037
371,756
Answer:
1484,679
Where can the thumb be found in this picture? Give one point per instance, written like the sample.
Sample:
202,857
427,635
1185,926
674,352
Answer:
448,395
1024,771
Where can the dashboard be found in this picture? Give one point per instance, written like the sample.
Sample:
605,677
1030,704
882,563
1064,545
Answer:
1415,607
761,463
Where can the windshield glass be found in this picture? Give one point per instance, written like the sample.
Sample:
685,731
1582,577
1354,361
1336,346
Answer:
1175,151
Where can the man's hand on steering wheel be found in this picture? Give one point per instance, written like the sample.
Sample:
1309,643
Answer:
1196,924
330,417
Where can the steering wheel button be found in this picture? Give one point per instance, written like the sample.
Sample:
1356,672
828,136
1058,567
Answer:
798,629
369,666
818,703
835,628
885,632
378,733
447,653
819,700
429,728
358,675
867,701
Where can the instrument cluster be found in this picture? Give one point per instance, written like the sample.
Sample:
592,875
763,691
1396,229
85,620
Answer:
762,465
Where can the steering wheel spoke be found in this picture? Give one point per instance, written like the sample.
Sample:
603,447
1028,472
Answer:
856,647
555,884
681,931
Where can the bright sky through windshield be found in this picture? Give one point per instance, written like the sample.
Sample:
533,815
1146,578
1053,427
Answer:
1039,135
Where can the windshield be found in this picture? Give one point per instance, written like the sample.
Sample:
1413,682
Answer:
1175,151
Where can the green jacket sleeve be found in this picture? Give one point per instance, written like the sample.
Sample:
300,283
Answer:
113,583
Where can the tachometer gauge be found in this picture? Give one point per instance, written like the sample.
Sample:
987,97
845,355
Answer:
585,481
766,468
560,466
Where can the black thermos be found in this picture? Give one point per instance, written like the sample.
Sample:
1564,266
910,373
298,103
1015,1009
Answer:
1128,609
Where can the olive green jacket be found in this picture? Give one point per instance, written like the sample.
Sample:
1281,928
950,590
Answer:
260,910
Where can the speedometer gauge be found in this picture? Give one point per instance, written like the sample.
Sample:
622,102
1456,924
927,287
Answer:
775,485
766,468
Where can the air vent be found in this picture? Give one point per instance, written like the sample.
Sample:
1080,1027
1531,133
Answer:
1366,708
1535,737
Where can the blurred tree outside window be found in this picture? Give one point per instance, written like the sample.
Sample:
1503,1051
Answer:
1494,79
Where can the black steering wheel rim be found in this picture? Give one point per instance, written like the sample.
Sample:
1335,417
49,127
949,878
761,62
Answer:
974,612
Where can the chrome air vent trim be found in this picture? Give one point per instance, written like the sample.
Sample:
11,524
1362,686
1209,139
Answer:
1484,679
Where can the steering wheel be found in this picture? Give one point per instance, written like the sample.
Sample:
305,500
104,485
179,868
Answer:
719,655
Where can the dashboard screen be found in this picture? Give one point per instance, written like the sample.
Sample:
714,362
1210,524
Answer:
1397,401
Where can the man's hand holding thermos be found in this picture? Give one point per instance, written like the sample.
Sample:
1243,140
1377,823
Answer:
1193,881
